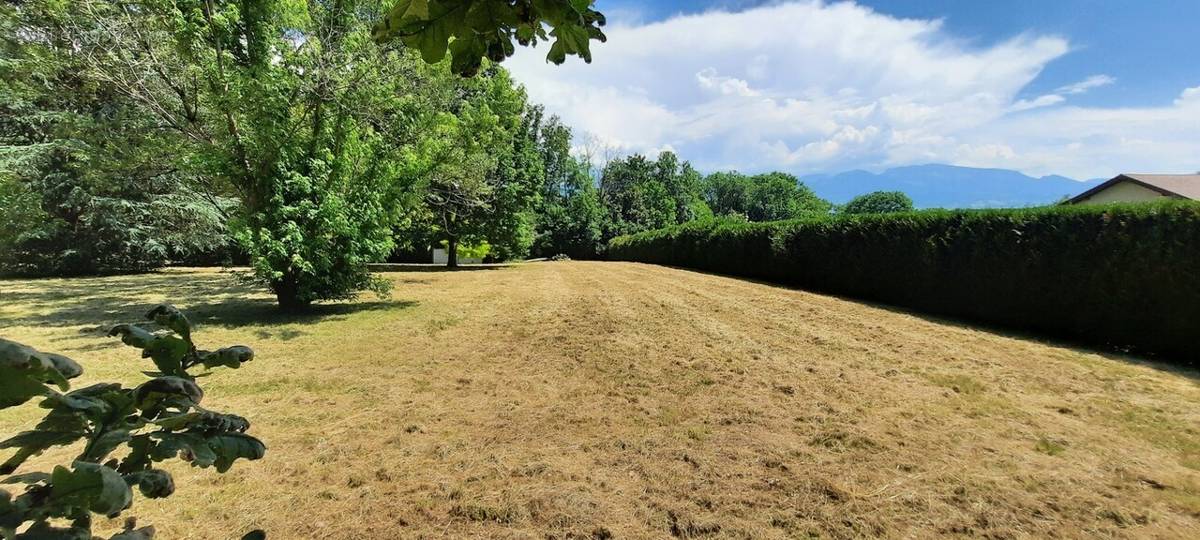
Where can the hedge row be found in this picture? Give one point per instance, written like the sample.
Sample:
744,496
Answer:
1121,276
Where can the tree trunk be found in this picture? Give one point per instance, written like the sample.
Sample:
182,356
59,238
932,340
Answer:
452,253
287,293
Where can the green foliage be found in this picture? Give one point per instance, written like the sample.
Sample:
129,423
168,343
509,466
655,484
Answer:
765,197
572,226
93,184
571,217
124,432
472,30
728,193
640,194
477,172
294,108
1122,276
472,251
132,132
878,202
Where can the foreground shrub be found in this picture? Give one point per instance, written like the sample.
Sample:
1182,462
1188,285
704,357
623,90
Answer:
1125,276
159,420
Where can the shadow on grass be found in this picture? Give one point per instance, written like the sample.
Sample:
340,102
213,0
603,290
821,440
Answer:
1181,367
422,267
207,298
264,312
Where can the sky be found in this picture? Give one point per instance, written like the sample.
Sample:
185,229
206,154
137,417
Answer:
1081,88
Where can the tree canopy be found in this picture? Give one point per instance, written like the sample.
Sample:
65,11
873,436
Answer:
764,197
641,194
89,179
317,137
878,202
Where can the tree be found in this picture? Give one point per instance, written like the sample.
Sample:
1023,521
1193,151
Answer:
878,202
635,201
764,197
728,193
572,227
478,171
777,196
641,194
570,217
292,105
509,225
475,29
684,184
97,186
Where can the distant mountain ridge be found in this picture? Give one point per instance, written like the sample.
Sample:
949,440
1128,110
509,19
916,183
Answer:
950,186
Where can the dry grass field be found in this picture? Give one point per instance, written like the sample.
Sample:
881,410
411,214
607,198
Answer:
612,400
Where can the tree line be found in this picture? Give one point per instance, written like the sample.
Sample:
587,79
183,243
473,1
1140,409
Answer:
288,136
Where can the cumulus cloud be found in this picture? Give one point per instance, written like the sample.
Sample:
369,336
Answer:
807,86
709,79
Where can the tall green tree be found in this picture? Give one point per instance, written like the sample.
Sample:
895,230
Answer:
635,199
684,183
570,217
292,105
478,173
763,197
90,181
518,178
641,194
776,196
728,193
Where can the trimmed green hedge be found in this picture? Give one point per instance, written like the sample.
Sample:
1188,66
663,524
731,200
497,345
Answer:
1121,276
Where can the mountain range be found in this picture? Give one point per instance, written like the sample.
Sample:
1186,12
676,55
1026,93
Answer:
950,186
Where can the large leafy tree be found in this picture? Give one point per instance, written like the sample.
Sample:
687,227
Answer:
641,194
478,172
292,105
684,183
775,196
763,197
570,218
509,226
728,193
634,198
89,180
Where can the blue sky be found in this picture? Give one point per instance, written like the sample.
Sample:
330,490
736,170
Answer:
1074,87
1139,43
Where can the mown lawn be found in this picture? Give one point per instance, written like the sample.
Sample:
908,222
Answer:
614,400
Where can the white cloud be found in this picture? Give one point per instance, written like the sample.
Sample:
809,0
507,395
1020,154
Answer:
1059,95
1090,142
1040,101
1095,81
807,86
1190,96
728,86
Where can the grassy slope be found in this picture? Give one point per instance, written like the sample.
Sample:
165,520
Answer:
560,400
